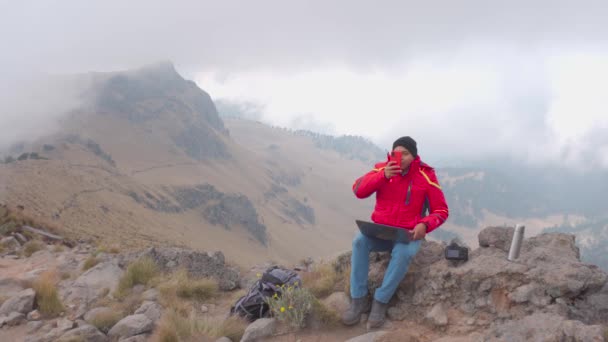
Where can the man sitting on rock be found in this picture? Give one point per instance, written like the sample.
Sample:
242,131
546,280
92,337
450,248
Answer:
401,193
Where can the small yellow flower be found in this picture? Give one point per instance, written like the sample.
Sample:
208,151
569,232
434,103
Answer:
282,309
290,307
275,296
259,275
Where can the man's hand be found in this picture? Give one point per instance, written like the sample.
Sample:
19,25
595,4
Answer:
391,169
419,231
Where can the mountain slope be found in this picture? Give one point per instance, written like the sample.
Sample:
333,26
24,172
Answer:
148,161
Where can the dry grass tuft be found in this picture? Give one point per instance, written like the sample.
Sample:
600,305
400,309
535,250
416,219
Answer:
32,247
90,263
104,321
47,297
139,272
177,287
175,326
321,280
326,316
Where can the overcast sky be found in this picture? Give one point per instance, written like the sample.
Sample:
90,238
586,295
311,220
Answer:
467,79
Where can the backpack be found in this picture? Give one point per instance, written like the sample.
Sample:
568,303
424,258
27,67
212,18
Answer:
253,305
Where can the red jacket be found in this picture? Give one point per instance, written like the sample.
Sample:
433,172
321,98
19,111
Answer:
400,200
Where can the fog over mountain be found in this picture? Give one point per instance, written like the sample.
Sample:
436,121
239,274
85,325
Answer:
470,81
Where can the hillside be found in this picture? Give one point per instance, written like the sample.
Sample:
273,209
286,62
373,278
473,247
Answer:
148,161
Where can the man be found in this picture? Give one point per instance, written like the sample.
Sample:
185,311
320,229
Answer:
401,193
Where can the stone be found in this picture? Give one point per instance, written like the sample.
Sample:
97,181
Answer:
22,302
499,237
437,316
131,326
259,329
152,310
94,283
33,315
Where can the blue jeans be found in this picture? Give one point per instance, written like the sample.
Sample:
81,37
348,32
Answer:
401,256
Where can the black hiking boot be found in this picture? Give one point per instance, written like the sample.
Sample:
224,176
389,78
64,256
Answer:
377,315
357,307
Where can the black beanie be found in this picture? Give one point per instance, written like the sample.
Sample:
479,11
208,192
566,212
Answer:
408,143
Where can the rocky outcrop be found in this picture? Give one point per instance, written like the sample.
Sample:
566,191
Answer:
158,93
506,300
227,210
198,264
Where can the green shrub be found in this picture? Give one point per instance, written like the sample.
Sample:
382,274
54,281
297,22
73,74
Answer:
293,306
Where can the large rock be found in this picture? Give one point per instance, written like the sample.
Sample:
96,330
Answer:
499,237
94,283
554,260
198,265
84,333
131,326
152,310
260,329
22,302
548,277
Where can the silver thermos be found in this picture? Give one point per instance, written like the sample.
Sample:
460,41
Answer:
518,238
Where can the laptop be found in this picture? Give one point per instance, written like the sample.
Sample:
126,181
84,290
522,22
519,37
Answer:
384,232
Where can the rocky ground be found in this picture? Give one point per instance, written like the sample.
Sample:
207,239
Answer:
546,295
